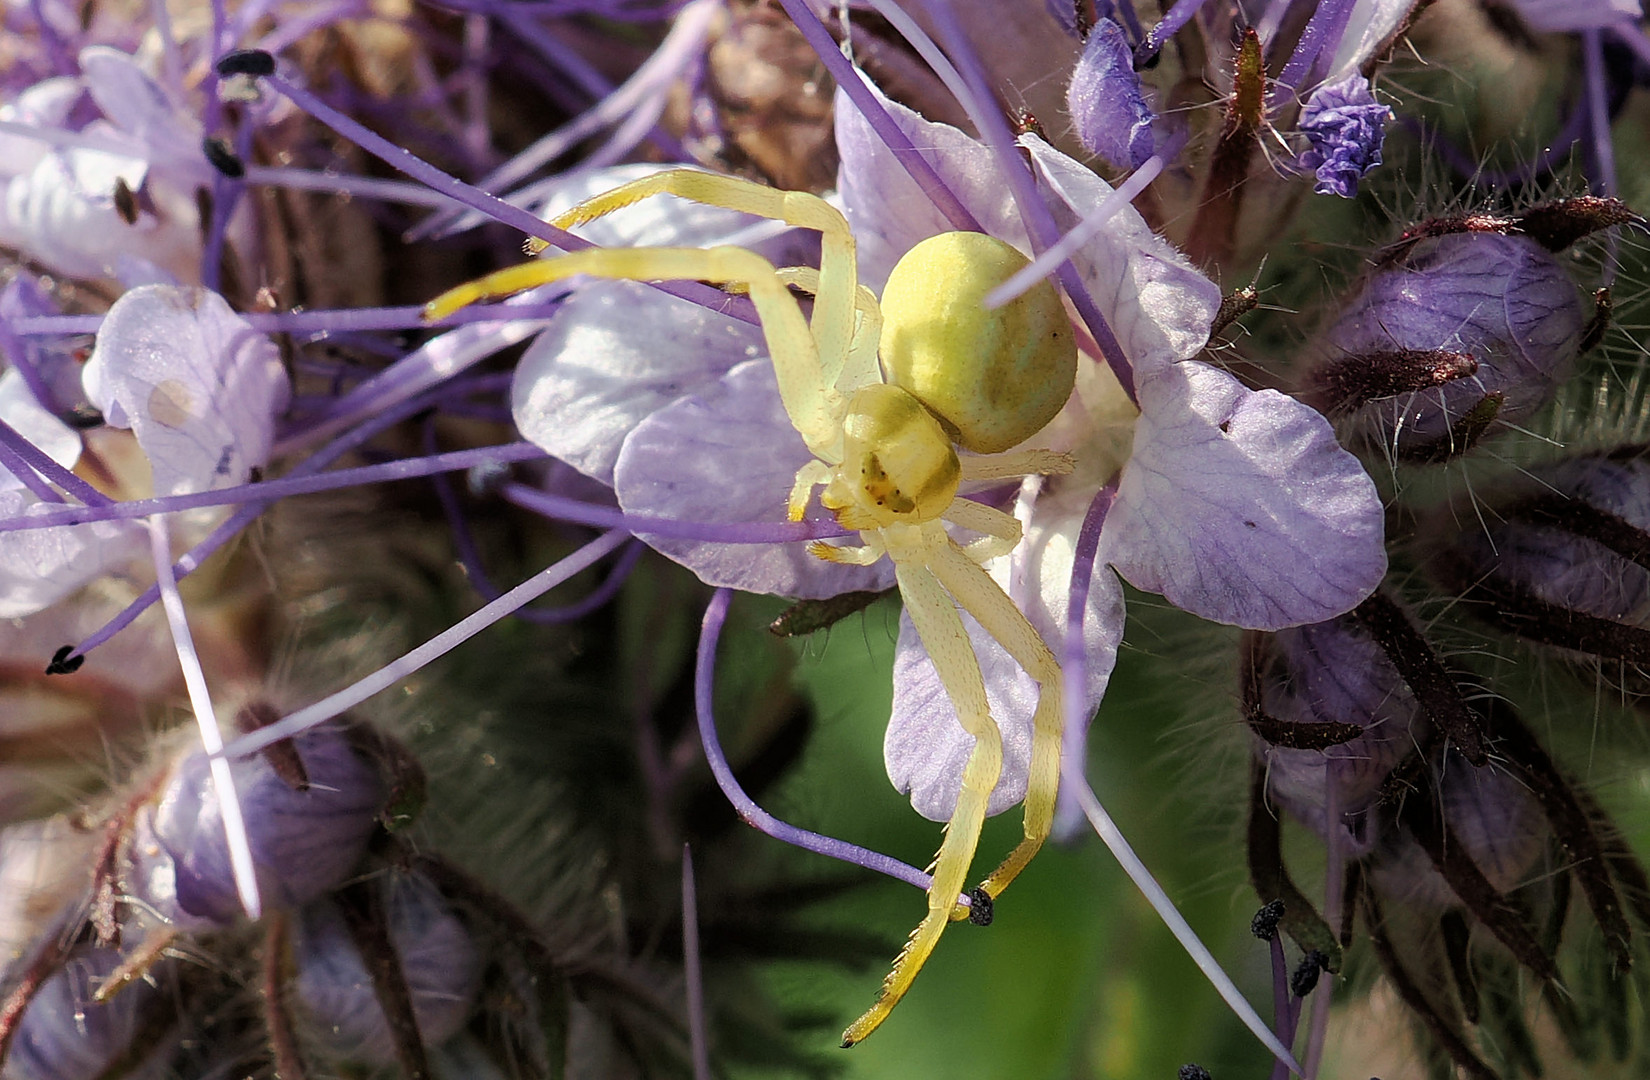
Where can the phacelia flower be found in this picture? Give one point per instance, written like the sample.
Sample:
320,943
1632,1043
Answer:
65,1035
1233,503
1345,126
1560,558
437,956
306,836
1458,331
1108,108
1332,717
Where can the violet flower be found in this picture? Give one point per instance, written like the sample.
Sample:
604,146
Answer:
1107,106
438,958
305,839
65,1035
1235,504
1346,126
198,388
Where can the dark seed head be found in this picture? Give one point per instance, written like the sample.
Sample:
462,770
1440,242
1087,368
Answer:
222,158
254,62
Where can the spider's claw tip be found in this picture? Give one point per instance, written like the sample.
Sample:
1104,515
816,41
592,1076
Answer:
981,908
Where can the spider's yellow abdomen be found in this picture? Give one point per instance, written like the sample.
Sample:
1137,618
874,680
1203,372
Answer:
898,463
993,378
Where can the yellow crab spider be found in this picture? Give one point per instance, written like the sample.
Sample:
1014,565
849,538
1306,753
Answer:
885,438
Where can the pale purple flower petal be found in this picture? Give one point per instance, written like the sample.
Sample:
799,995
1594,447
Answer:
615,353
1239,506
46,104
889,213
926,747
20,410
139,106
196,384
1372,23
39,567
729,454
1158,304
1108,109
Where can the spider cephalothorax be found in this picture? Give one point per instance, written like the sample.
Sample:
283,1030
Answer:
884,396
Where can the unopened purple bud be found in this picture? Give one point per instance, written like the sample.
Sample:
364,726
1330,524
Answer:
1345,126
1108,108
1332,718
65,1035
1493,819
1503,301
1564,558
438,958
304,842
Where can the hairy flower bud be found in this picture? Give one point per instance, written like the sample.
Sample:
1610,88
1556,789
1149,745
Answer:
1562,558
438,960
1345,126
305,838
65,1035
1498,316
1332,718
1108,109
1490,817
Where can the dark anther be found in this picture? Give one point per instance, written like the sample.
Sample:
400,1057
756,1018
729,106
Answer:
1603,306
1194,1072
63,663
222,158
1351,382
1234,306
981,909
1305,978
807,616
1265,923
254,62
126,204
82,417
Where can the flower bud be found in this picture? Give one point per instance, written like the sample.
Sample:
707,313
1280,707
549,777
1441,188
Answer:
306,839
1490,817
438,959
1457,331
65,1035
1561,559
1108,109
1332,718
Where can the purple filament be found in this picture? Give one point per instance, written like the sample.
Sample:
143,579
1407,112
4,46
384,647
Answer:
12,460
407,162
1321,37
1039,222
333,321
1178,16
704,695
847,77
1074,657
41,462
20,356
562,508
692,974
264,492
1283,1014
1598,113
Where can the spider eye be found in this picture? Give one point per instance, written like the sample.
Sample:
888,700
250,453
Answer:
993,378
897,460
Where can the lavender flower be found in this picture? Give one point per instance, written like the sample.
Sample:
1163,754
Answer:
1105,100
1501,304
1345,125
1332,718
65,1035
436,954
305,840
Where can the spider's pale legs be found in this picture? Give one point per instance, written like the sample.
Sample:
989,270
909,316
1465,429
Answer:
817,365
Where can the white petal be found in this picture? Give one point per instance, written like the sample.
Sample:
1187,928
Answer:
728,455
196,384
23,413
39,567
1238,505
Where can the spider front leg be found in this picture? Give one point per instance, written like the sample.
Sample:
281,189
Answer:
814,406
1002,531
942,632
